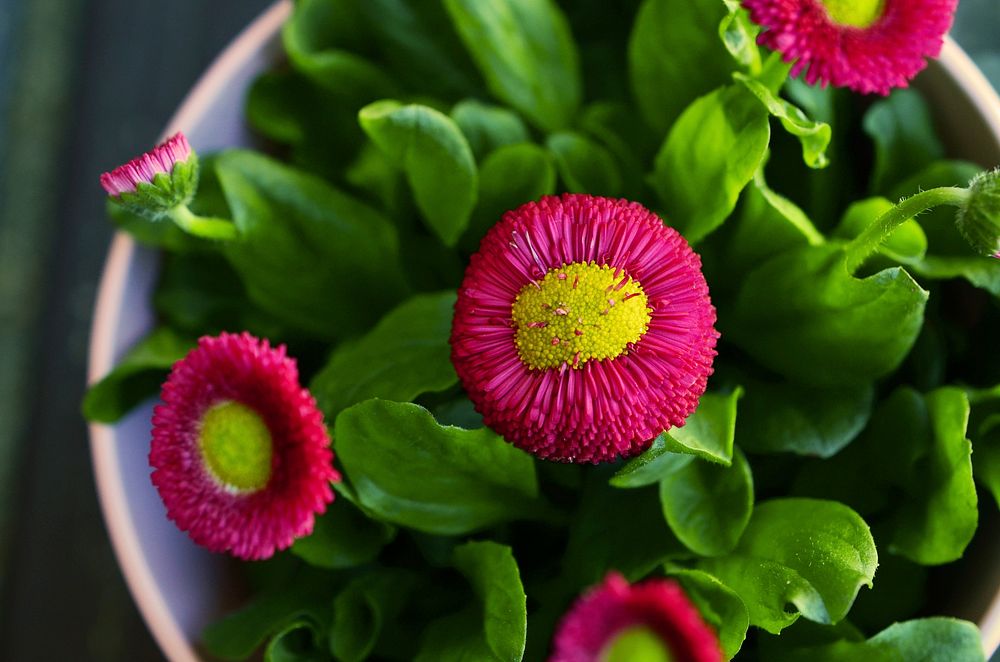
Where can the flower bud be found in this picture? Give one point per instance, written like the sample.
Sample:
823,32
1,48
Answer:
156,182
979,219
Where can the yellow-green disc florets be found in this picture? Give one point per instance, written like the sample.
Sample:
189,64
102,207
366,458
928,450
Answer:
576,313
236,446
855,13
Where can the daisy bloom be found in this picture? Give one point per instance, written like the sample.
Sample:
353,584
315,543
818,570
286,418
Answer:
240,454
583,328
161,184
651,621
866,45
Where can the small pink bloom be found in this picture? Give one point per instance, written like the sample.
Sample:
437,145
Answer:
869,56
161,159
577,379
614,607
240,454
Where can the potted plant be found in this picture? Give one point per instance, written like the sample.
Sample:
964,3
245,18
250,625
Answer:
735,496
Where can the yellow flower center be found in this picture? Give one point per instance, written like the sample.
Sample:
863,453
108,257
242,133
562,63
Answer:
236,446
636,644
577,313
855,13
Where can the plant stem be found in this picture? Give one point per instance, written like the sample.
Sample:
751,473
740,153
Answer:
868,241
201,226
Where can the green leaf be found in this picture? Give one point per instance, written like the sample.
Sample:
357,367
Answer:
937,520
584,165
909,472
906,244
343,538
304,247
904,137
137,376
707,433
804,316
768,224
986,458
494,629
716,145
719,606
405,355
367,607
509,177
292,109
431,150
670,40
814,136
408,470
525,51
707,505
298,642
739,35
301,601
324,40
805,420
601,537
936,639
417,40
201,293
488,127
811,553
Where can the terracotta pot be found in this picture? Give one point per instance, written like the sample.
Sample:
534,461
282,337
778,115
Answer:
178,586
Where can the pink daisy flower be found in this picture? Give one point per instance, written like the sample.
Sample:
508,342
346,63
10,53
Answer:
866,45
240,454
143,169
614,621
583,328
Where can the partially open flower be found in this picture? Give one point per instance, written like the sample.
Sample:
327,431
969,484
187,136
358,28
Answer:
240,454
652,621
156,182
583,328
866,45
160,185
979,218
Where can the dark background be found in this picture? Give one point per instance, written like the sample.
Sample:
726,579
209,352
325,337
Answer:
84,86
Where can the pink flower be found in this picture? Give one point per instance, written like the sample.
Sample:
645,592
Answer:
866,45
655,611
143,169
583,328
240,454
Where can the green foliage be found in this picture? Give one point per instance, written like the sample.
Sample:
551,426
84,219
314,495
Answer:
136,377
495,627
430,149
304,246
804,316
716,145
526,54
404,355
707,505
409,470
904,138
670,39
584,165
809,553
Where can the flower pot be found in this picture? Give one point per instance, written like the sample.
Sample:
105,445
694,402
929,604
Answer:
178,586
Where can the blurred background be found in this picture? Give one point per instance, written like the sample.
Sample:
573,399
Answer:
84,86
